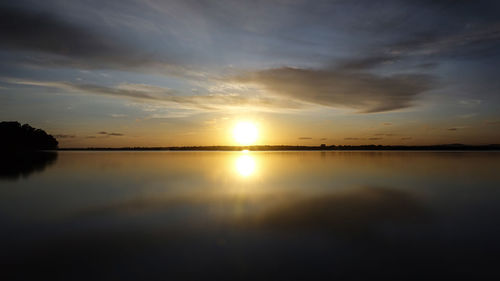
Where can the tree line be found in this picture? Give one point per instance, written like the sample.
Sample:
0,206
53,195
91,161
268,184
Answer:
14,136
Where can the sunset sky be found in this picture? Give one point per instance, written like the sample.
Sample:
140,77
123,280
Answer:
173,73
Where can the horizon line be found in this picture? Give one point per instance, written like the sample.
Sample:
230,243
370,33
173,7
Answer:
454,146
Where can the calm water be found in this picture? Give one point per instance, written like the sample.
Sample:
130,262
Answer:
251,216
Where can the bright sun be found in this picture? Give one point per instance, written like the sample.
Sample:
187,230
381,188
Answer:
245,133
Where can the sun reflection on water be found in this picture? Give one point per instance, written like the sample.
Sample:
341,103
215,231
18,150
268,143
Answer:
245,165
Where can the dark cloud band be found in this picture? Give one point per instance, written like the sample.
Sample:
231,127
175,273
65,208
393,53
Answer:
366,92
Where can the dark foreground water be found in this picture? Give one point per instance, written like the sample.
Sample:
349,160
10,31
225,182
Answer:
251,216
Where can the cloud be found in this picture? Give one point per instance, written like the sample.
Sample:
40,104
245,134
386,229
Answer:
470,102
492,122
477,41
63,136
356,139
30,30
44,32
336,66
365,92
455,128
116,115
467,116
144,92
110,134
364,63
406,138
427,65
49,40
305,138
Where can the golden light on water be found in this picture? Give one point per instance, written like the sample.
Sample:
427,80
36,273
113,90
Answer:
245,165
245,133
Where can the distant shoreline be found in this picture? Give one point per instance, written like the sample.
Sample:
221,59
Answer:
445,147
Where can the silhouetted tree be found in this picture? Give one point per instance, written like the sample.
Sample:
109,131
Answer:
14,136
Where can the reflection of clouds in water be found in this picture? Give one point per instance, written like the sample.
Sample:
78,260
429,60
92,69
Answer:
294,217
23,164
170,235
245,165
356,211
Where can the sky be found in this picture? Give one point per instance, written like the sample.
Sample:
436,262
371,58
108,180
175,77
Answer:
180,73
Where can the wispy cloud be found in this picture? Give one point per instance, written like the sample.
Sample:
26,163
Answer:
143,92
456,128
64,136
492,122
358,139
467,116
470,102
110,134
117,115
474,41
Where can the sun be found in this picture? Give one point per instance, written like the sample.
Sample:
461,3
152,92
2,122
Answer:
245,165
245,133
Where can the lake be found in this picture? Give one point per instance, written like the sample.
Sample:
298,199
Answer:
83,215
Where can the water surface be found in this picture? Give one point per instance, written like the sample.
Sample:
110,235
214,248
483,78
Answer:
251,216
